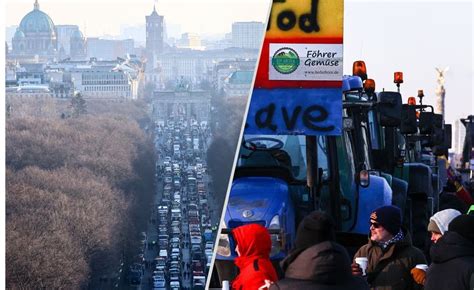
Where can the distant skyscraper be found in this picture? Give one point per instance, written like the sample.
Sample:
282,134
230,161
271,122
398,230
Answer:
136,32
189,40
154,36
108,49
459,135
247,34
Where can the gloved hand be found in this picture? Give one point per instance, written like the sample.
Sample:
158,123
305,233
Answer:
356,269
418,275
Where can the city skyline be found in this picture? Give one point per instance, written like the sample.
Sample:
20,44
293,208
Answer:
191,16
416,43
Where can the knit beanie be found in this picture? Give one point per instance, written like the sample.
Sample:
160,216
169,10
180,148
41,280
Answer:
439,221
389,217
315,228
463,225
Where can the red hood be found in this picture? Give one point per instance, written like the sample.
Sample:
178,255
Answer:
254,262
253,241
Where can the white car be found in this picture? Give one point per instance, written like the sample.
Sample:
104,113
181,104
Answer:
174,285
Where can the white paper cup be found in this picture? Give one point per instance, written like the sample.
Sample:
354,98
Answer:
225,285
423,267
362,261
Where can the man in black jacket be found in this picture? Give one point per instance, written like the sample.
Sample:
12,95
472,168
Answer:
453,257
317,262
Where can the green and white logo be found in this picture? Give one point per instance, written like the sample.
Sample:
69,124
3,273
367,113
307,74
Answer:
285,60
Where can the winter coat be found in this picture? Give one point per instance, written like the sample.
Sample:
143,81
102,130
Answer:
452,265
390,269
254,263
324,266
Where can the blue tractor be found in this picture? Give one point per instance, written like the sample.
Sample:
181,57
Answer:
280,179
262,192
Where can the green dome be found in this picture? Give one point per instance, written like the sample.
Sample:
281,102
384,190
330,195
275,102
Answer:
19,34
77,34
37,21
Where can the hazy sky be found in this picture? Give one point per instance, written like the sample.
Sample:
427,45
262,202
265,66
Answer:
409,36
415,38
100,17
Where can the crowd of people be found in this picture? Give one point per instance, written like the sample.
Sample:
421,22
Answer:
389,261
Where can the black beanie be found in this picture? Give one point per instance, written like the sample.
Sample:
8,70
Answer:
389,217
315,228
463,225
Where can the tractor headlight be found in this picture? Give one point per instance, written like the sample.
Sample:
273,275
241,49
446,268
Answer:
223,247
275,238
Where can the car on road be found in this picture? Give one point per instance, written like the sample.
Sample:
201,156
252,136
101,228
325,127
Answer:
209,245
163,254
175,285
174,277
175,270
159,274
196,240
161,283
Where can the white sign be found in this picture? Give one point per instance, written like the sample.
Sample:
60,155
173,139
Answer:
305,62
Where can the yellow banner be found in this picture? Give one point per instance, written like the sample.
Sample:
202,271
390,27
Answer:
306,19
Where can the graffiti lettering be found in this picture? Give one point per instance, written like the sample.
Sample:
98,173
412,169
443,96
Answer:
264,118
309,119
290,124
266,113
286,19
299,111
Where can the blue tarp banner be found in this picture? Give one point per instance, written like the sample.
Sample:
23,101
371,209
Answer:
299,111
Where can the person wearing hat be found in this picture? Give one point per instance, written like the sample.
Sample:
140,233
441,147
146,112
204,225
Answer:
453,257
439,223
317,261
437,226
390,253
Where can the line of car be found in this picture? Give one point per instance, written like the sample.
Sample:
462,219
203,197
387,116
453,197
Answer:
182,214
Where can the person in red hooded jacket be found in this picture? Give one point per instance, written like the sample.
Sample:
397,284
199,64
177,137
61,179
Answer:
253,247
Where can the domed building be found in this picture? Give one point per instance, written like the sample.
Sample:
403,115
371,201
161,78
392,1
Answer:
36,35
78,45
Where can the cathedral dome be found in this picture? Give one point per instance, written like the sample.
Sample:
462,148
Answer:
19,34
77,34
37,21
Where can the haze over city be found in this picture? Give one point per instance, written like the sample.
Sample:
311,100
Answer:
415,37
204,17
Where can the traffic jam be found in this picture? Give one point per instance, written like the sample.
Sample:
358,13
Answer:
179,246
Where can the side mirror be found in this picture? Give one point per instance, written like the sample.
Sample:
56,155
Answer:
364,178
442,149
408,124
448,135
390,108
437,136
426,122
438,121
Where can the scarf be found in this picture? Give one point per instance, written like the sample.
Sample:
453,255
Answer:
398,237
